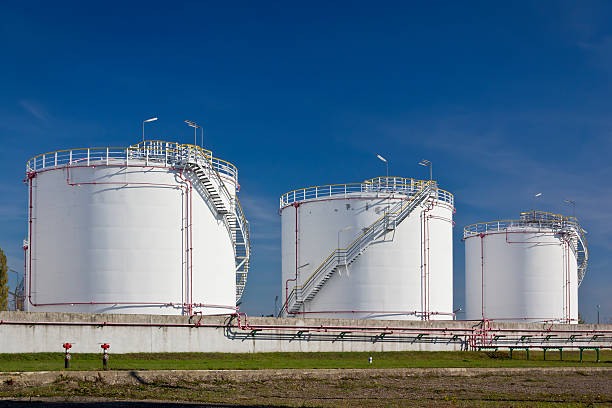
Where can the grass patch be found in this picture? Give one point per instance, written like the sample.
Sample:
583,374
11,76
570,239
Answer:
255,361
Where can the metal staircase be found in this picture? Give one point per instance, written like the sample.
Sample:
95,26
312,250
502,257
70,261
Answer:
345,257
229,208
242,249
221,204
580,248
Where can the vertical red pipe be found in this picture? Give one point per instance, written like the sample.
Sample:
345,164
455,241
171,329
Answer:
190,249
296,206
569,285
564,274
422,243
482,275
189,244
31,236
425,256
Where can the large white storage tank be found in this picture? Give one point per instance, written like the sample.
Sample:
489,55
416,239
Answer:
153,228
525,270
380,249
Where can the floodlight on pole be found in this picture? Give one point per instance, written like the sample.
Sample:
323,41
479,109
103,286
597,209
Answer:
535,202
146,121
385,161
195,127
427,163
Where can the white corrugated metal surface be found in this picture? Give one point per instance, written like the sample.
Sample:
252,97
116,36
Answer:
405,273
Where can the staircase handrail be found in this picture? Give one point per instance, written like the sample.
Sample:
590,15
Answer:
243,267
385,185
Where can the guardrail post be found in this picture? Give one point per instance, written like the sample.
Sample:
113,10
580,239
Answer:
55,159
43,164
88,157
107,156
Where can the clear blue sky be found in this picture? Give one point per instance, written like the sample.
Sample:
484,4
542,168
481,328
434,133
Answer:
505,100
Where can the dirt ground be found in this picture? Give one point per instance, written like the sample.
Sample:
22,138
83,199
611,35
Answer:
346,388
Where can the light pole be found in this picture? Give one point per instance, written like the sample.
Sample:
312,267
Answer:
145,121
598,306
275,305
535,202
458,310
386,163
195,127
427,163
573,204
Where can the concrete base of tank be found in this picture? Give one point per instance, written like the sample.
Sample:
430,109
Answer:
29,332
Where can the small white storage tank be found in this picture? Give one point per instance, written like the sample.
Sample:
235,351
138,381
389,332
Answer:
525,270
153,228
380,249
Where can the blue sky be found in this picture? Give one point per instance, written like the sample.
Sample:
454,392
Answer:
505,100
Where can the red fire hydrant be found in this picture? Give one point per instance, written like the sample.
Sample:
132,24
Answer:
67,346
105,356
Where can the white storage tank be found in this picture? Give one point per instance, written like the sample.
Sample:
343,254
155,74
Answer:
380,249
153,228
525,270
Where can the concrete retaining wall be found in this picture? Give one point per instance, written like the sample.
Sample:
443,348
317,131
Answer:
23,332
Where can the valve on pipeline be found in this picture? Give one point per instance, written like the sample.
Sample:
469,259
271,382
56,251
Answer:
67,346
105,355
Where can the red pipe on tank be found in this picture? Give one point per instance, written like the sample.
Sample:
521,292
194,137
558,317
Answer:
296,206
31,175
425,256
482,275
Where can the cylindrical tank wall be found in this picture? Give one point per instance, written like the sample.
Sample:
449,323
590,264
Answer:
137,239
521,274
403,275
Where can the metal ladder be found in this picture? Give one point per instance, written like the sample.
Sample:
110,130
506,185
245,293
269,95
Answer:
345,257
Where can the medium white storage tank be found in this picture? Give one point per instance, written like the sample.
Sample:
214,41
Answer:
153,228
380,249
525,270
